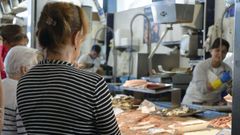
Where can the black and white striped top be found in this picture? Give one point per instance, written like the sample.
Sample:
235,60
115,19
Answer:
55,98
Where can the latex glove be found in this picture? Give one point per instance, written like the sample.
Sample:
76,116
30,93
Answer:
225,76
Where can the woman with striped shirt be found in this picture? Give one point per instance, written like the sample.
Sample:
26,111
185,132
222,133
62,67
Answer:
54,97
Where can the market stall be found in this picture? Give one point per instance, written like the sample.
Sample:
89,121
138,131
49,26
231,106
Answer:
155,118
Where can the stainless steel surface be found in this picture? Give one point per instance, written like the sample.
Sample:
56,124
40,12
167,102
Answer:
164,12
176,97
175,93
182,78
114,76
236,73
197,22
148,43
168,62
219,108
142,90
160,41
170,13
189,45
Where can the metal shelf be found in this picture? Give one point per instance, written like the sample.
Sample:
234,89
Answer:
128,48
175,93
145,90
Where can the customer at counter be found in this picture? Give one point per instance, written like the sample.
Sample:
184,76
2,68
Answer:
18,62
55,97
203,89
12,35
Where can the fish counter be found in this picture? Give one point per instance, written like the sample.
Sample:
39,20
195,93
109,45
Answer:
137,114
158,118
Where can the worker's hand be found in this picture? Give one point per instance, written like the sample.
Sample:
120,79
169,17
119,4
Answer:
76,64
90,65
79,65
100,71
82,66
85,65
225,76
209,87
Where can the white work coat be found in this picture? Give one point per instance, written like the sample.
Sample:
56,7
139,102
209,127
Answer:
197,90
87,59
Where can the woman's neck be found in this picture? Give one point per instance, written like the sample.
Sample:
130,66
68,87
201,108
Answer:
64,55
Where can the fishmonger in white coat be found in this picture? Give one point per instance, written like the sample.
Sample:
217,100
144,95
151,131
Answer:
200,90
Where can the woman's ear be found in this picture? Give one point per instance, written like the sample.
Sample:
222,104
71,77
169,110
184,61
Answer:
23,70
77,39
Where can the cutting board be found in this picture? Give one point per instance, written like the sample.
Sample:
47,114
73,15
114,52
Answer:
190,126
